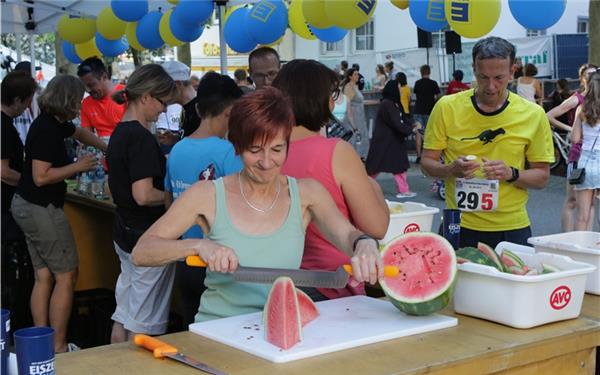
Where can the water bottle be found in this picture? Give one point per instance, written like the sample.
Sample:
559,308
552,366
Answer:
97,190
84,183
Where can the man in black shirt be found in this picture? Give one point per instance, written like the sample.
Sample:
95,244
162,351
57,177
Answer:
361,79
427,92
18,88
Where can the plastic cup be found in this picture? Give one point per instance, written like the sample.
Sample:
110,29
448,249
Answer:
35,350
451,227
4,340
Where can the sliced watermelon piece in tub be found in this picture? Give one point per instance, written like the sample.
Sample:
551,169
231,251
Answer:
490,253
476,256
283,325
308,309
427,276
510,259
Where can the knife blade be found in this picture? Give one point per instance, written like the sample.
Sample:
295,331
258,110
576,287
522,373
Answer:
313,278
162,350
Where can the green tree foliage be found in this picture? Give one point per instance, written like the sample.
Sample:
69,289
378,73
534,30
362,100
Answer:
44,45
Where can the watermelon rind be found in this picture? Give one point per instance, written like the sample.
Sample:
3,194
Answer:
549,268
475,256
490,253
307,307
433,302
509,259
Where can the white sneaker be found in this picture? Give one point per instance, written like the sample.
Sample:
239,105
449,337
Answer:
72,347
409,194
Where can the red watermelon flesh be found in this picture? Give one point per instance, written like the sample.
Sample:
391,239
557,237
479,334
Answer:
427,264
308,309
283,325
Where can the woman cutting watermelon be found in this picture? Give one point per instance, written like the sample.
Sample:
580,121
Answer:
255,218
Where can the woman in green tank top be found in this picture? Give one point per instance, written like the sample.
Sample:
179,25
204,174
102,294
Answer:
255,218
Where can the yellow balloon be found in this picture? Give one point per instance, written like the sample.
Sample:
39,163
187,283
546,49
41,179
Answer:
297,22
165,30
350,14
87,49
472,18
76,30
131,37
314,13
174,2
109,26
402,4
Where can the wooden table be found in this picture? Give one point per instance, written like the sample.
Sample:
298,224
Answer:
475,346
92,224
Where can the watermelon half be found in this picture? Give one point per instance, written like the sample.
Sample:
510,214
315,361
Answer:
283,325
427,272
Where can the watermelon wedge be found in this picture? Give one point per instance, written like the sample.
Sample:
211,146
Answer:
427,272
490,253
283,325
308,309
473,255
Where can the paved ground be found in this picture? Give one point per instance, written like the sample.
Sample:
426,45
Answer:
544,205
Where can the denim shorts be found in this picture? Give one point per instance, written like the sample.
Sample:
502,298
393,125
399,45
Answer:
421,119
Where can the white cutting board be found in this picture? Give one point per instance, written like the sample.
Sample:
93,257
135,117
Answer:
343,323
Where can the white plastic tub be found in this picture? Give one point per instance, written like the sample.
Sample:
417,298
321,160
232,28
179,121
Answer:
414,217
581,246
522,301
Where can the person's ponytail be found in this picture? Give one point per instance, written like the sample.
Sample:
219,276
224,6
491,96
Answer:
120,97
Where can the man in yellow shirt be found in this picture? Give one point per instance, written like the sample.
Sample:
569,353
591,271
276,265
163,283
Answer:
495,146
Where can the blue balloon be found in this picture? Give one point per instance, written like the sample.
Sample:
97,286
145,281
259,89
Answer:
537,14
267,20
147,32
429,15
236,35
111,48
193,12
330,35
129,10
184,32
69,52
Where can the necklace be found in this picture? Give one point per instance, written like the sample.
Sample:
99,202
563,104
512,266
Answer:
263,210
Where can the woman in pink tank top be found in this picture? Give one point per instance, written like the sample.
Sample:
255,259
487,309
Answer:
567,216
312,88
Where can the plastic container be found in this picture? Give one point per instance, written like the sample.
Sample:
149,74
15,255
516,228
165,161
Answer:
412,217
581,246
522,301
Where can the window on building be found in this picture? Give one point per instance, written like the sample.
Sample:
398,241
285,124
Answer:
583,25
531,32
332,48
364,37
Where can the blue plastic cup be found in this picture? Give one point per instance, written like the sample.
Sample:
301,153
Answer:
451,227
35,350
4,340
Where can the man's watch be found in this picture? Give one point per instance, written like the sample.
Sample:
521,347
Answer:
515,175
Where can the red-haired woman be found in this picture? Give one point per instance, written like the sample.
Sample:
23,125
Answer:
257,217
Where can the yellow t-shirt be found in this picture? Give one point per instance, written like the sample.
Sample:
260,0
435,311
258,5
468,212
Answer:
455,127
405,98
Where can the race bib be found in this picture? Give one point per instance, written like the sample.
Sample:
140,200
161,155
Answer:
476,194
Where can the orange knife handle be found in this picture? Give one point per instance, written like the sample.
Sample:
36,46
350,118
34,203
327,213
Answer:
388,271
157,347
195,261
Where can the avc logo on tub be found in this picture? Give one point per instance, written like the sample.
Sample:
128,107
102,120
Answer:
560,297
412,227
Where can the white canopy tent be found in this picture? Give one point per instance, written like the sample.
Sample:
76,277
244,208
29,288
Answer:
41,16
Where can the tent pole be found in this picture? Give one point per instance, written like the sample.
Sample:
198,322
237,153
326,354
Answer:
222,44
32,53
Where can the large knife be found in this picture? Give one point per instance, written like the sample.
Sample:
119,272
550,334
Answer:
162,350
318,279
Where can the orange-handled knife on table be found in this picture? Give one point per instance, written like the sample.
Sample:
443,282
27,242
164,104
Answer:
312,278
162,350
